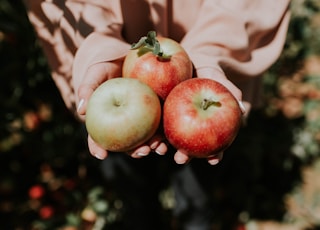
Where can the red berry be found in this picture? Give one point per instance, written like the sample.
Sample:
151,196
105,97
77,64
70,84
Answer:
46,212
36,192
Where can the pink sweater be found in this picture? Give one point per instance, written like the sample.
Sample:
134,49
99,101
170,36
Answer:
240,37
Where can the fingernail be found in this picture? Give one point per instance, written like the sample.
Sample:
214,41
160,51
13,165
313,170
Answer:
242,107
81,102
213,162
159,152
142,154
98,156
180,160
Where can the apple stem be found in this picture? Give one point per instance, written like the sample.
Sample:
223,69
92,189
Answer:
206,103
151,43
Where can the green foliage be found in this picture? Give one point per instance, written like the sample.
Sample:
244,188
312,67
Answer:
41,143
293,83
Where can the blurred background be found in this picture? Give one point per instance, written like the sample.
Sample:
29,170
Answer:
269,179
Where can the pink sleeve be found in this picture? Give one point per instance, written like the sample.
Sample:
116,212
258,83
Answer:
243,38
68,30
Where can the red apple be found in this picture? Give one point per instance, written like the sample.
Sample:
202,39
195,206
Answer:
161,63
201,117
122,114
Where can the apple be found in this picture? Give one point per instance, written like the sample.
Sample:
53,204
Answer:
161,63
201,117
122,114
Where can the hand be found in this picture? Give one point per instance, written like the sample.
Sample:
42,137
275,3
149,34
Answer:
96,75
156,144
182,157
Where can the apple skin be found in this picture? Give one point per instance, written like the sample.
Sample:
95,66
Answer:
196,131
122,114
162,75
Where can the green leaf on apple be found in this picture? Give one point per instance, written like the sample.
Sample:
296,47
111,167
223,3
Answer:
150,43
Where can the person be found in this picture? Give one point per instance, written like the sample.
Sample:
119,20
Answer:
232,42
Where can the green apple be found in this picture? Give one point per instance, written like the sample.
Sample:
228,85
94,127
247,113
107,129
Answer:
122,114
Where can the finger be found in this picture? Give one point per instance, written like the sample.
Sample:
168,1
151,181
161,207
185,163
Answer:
245,108
215,159
95,76
140,152
96,150
156,143
180,157
219,76
161,149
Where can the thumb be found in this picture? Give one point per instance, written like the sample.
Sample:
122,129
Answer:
219,76
95,75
